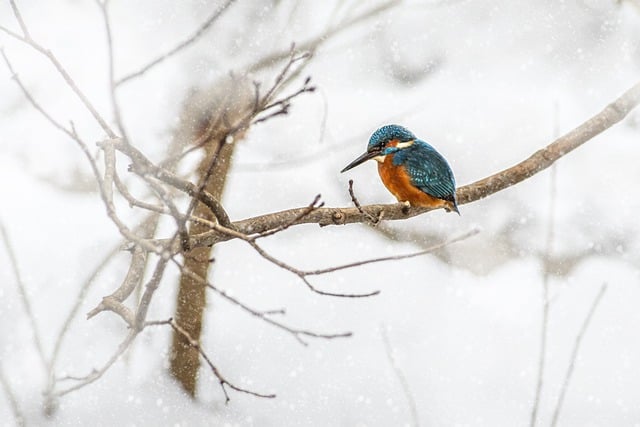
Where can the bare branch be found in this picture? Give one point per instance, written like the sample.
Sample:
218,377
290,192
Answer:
303,275
542,159
574,353
331,32
105,195
545,294
539,161
24,295
158,209
110,56
296,333
312,206
150,288
180,46
441,245
83,292
143,166
402,379
18,15
67,323
38,107
282,75
133,202
356,202
11,33
98,373
300,273
18,415
112,304
180,220
50,395
114,301
62,71
195,344
109,170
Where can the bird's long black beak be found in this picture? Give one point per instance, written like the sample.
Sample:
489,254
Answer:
363,158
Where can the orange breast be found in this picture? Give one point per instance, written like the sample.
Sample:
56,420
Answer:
398,182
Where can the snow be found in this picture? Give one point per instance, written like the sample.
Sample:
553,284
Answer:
487,83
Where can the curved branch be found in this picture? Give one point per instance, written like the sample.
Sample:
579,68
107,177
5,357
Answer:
542,159
538,161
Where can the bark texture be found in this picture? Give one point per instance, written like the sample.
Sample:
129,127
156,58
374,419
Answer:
207,119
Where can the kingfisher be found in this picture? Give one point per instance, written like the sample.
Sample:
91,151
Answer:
412,170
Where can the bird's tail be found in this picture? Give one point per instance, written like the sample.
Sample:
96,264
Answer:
453,207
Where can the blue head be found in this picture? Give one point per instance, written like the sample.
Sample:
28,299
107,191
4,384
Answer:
379,143
388,133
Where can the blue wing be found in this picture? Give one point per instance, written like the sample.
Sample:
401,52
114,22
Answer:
429,171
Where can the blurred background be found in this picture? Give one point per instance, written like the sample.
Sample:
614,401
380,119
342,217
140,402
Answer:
454,337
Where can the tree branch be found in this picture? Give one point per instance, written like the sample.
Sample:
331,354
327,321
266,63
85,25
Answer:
540,160
24,295
179,47
26,38
298,334
216,372
402,379
18,415
98,373
332,31
574,353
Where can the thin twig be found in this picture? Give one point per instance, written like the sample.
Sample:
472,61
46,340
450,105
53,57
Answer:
103,5
37,106
83,293
545,292
111,213
261,103
150,288
18,17
285,102
143,166
26,38
282,75
356,203
303,275
402,379
296,333
312,206
441,245
180,220
18,415
300,273
216,372
51,381
157,209
98,373
574,354
24,295
313,44
179,47
133,202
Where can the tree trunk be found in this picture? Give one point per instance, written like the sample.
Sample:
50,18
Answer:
213,113
191,299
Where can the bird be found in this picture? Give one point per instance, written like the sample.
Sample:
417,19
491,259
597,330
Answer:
411,169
